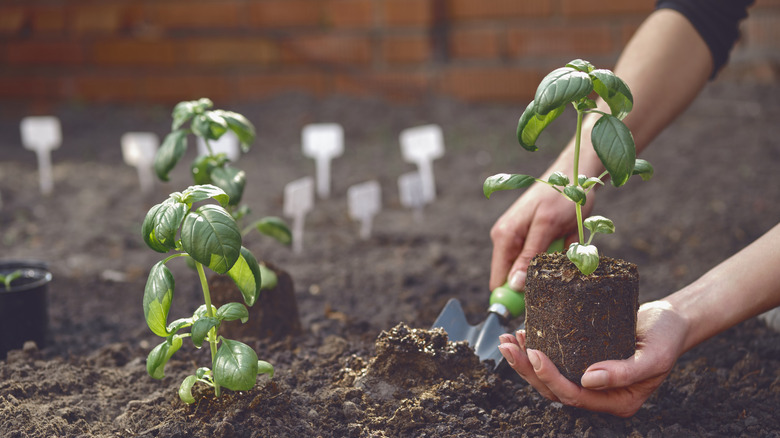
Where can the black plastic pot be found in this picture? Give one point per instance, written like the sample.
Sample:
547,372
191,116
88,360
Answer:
24,313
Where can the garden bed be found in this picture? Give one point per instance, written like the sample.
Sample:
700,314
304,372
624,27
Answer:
356,370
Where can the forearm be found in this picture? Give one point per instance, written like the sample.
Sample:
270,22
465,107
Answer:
665,65
739,288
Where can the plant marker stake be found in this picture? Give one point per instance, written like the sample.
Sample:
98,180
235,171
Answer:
298,200
138,150
323,142
227,144
421,145
42,134
365,201
410,188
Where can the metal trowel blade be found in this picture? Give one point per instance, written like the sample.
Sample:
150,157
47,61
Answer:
483,337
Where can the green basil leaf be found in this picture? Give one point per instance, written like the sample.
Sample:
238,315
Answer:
581,65
179,324
185,390
242,127
209,125
201,169
172,149
531,125
159,356
599,225
235,366
232,312
587,183
575,193
275,227
643,169
210,236
246,274
558,179
202,192
162,223
614,91
585,257
264,367
231,180
158,295
560,87
202,312
505,181
615,147
269,278
200,330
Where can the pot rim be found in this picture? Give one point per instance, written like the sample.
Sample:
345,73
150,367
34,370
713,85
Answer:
41,274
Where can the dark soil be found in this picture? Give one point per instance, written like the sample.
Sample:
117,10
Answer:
578,320
355,370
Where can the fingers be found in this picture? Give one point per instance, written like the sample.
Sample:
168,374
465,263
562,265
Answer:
540,236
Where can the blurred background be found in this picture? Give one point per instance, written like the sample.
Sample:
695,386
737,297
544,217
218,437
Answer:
164,51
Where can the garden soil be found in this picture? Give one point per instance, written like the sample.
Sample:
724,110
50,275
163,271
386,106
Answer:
364,363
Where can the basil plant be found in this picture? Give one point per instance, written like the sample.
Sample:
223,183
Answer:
575,85
209,237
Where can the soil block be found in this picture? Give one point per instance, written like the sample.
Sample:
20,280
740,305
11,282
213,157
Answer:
578,320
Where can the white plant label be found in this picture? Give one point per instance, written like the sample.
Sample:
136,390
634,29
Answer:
323,142
298,201
421,145
138,150
364,201
227,144
42,134
410,189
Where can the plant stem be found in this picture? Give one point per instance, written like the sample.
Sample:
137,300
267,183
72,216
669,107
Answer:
210,312
578,207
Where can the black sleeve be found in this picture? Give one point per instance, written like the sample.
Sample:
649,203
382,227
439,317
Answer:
717,21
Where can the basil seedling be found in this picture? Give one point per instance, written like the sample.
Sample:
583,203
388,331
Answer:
612,141
7,279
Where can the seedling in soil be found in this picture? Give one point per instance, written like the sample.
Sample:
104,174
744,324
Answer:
611,139
365,201
209,126
323,142
209,236
138,150
8,279
42,134
421,145
298,201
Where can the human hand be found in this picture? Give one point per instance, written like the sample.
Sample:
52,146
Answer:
527,228
617,387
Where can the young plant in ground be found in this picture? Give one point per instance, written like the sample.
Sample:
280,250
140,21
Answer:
7,279
196,117
611,139
210,236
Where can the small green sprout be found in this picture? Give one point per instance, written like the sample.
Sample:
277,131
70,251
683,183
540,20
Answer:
210,236
611,139
7,279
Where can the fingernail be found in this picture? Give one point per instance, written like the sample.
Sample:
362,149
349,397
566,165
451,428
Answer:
507,354
517,281
595,379
520,336
533,356
506,339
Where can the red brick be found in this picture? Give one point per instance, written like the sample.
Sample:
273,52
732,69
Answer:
106,88
406,49
44,53
259,86
606,7
579,41
498,9
134,53
12,19
491,84
327,48
393,86
285,13
194,14
48,19
178,87
483,43
95,18
228,51
397,13
28,87
349,13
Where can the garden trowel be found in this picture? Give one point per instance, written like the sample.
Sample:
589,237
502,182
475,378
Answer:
505,303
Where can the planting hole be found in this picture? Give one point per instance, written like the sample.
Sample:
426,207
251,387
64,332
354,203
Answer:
42,134
421,145
323,142
365,201
138,150
298,200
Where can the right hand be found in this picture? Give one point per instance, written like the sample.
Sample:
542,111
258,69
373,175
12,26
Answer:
528,227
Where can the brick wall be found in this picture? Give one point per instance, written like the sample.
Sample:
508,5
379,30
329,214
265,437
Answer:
231,50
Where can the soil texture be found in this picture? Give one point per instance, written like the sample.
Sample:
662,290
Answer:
364,363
